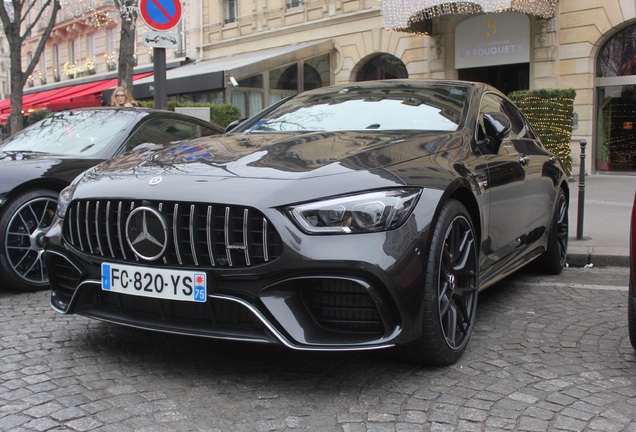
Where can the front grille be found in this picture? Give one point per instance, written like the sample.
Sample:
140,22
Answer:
198,235
340,305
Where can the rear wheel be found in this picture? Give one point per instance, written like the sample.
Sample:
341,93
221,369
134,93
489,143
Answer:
450,290
23,223
553,260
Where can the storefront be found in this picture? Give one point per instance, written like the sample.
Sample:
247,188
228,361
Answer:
616,103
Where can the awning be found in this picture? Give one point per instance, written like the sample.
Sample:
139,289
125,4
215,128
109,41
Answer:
74,96
212,74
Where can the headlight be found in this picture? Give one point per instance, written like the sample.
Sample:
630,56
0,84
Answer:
65,197
368,212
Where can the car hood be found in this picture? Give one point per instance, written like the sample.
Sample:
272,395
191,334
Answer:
17,168
283,166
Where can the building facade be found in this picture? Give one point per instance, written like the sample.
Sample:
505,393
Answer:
254,52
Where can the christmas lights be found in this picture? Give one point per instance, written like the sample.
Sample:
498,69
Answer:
404,15
551,113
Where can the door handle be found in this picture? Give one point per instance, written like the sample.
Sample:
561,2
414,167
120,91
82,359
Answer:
523,160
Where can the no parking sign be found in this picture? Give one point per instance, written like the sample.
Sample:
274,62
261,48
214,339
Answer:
160,14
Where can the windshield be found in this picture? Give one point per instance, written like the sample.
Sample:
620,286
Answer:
395,108
73,133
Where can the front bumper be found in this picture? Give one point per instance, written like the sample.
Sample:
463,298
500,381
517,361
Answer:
323,293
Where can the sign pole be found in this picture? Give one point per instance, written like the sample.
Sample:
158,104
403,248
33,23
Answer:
160,15
161,83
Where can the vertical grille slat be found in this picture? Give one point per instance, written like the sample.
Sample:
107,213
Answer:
264,234
97,230
245,226
193,244
86,224
78,217
226,230
203,235
175,233
108,230
208,234
120,231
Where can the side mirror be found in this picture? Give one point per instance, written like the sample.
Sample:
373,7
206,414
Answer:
233,125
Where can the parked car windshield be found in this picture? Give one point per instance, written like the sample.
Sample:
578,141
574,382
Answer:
435,108
72,133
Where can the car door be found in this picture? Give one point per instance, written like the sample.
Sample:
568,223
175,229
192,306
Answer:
520,195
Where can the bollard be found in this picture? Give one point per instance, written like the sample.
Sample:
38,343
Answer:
579,226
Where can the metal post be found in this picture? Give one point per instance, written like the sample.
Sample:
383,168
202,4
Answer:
579,226
161,85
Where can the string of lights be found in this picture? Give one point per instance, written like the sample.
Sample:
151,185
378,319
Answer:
399,15
97,13
551,113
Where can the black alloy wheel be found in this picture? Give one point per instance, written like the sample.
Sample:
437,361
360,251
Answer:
23,223
554,259
450,291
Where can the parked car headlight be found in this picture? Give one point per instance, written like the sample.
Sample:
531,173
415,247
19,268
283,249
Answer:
65,197
367,212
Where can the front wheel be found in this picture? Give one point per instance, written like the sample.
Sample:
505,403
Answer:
23,223
451,284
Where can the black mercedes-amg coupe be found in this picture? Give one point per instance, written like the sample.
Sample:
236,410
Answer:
355,217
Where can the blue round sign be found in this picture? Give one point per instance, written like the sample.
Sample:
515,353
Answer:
160,14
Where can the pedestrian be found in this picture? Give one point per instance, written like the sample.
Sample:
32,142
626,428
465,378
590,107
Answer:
122,98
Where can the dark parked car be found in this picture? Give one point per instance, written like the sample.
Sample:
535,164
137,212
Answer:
631,303
40,161
355,217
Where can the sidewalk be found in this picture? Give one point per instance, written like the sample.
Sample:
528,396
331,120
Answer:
605,223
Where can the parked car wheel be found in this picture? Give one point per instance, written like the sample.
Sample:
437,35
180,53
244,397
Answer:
22,226
554,259
450,290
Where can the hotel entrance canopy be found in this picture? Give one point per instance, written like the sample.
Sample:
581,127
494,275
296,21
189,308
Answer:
412,16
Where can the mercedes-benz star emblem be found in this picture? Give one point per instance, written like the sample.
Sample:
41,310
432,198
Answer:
147,233
155,180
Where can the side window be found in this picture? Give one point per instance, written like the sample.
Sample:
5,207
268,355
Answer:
489,104
167,130
518,123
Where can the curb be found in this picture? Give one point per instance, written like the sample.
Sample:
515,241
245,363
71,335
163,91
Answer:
582,256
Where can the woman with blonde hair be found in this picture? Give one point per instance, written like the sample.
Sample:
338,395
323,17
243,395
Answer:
122,98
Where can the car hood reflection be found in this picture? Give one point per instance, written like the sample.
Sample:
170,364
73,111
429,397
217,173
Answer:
277,156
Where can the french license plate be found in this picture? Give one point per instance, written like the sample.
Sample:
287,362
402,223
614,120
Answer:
167,284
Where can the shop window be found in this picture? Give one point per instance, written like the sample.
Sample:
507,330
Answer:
289,78
615,144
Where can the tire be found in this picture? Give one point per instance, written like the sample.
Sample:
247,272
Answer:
23,222
451,285
554,259
631,312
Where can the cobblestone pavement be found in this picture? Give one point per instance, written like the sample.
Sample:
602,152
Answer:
548,354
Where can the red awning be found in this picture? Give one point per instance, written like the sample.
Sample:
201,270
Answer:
74,96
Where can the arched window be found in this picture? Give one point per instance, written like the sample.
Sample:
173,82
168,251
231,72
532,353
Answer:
383,66
615,146
618,56
289,78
